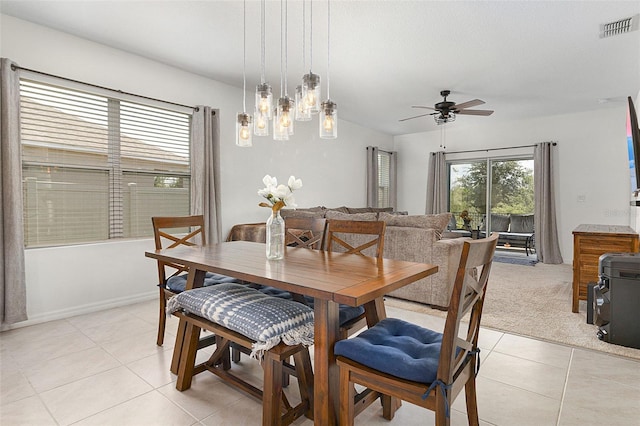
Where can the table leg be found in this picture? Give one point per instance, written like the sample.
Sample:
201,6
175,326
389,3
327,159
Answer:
326,372
375,311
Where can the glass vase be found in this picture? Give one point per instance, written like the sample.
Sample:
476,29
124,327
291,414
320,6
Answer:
275,236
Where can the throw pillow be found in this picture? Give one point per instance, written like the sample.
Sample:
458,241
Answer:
438,222
342,209
522,223
499,223
331,214
285,213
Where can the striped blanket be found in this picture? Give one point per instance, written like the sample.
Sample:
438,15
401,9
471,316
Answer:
266,320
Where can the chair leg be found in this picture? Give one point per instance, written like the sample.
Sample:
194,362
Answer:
162,320
441,413
235,355
390,405
347,399
472,403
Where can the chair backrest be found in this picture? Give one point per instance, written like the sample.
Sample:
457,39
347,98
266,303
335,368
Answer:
336,230
170,232
304,232
468,295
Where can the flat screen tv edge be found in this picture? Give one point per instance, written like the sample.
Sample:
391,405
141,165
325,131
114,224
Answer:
633,146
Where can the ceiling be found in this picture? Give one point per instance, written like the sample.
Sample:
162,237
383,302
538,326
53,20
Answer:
523,58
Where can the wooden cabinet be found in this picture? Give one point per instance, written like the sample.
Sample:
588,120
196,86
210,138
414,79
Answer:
591,241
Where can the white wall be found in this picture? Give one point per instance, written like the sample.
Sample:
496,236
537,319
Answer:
591,162
63,281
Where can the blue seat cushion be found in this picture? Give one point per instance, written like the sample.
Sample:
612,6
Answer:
396,347
265,319
178,283
347,313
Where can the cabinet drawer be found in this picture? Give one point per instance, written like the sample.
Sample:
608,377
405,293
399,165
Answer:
590,245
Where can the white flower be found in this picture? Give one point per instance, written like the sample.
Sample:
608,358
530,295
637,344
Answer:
294,183
270,181
279,195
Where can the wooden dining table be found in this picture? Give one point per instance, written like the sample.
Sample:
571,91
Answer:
330,278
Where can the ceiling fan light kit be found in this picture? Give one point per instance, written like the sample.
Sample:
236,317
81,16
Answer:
446,111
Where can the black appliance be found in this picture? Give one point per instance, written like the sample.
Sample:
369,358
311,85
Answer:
616,299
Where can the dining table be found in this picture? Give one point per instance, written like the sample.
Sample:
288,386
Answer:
330,278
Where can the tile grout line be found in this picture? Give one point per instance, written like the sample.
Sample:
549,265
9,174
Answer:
564,389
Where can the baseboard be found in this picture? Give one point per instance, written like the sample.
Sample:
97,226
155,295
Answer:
82,309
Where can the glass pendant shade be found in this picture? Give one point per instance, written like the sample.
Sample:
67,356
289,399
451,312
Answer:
302,113
311,89
260,123
244,124
284,118
280,133
328,120
264,99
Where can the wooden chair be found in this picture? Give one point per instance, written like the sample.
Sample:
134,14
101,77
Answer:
304,232
371,234
368,361
168,233
373,228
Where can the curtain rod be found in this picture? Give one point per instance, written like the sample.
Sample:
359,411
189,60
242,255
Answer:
17,67
493,149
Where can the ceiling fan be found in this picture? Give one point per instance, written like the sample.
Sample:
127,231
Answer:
446,111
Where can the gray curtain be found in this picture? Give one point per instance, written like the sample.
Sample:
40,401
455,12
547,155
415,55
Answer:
393,180
545,226
13,294
437,184
205,170
372,176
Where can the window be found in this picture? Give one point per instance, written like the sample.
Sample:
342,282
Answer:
384,179
509,192
97,167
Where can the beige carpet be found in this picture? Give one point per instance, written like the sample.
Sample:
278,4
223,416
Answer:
534,301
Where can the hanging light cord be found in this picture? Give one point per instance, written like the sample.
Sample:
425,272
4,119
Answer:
244,56
304,34
328,45
281,50
262,37
310,36
286,45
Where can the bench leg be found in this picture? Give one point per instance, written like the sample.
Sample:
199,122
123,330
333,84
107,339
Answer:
272,394
188,357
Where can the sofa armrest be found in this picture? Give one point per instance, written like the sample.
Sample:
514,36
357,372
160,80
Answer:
446,254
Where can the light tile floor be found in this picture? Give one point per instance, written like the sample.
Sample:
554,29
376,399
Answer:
105,369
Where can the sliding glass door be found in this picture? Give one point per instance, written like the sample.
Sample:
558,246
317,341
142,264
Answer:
501,186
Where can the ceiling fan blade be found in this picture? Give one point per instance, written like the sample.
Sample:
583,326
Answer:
475,112
419,106
417,116
469,104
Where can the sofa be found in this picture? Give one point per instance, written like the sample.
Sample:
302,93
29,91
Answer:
516,230
415,238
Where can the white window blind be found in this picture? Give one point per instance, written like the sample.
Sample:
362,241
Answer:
97,167
384,179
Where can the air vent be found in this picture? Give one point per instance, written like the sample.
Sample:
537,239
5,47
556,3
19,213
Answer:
621,26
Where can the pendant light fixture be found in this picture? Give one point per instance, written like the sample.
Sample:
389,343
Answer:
311,82
302,112
244,121
329,109
264,95
283,120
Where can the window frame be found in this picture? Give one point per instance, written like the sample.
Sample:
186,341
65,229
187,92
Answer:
115,169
